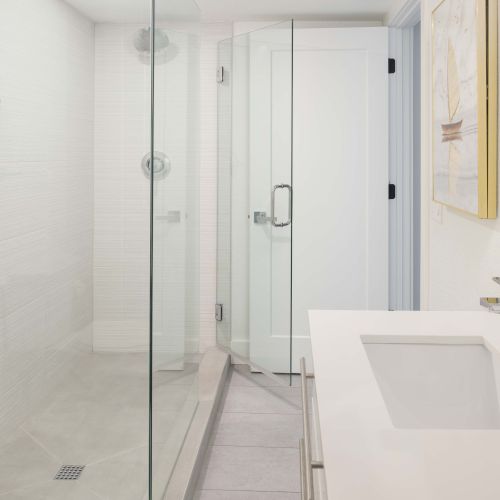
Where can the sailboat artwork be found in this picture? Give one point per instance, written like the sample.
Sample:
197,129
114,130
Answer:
452,129
459,118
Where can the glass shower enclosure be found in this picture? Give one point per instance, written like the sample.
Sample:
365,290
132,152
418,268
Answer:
255,197
303,171
99,252
174,259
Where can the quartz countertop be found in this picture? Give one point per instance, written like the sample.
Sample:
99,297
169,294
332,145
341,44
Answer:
366,457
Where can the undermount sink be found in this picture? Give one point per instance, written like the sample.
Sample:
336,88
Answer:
437,386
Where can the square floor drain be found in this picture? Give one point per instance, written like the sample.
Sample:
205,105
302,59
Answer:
69,472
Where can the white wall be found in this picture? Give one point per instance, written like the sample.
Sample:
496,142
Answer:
46,196
186,130
460,253
121,203
121,260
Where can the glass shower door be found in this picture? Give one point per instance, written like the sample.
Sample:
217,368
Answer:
255,187
174,198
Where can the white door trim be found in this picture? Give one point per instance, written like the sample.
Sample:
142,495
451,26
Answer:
401,213
406,14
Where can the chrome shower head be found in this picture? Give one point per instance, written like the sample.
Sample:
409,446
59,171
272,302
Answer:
142,40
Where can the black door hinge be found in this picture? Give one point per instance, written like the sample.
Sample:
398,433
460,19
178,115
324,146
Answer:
218,312
392,66
392,191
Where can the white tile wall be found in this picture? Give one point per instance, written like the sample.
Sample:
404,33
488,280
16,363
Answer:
46,197
74,231
121,197
121,265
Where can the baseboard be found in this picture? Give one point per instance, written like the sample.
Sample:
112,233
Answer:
241,347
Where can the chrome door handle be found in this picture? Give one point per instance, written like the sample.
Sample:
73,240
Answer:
273,200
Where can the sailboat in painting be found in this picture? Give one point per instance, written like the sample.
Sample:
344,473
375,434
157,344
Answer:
452,129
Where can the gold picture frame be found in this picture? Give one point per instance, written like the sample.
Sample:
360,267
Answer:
465,105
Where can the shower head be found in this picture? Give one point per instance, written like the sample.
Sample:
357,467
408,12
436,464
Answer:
142,40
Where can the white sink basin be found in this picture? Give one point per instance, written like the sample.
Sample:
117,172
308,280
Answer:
437,386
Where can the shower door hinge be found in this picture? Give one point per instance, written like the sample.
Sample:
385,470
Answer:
218,312
392,65
220,74
392,191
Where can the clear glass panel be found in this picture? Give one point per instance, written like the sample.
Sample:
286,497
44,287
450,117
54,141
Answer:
224,191
255,179
175,236
74,213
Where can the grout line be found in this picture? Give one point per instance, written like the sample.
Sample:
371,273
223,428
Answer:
98,495
254,446
24,488
298,414
265,413
250,491
118,454
40,444
274,389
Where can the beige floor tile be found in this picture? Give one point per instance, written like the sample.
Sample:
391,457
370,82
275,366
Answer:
251,469
54,490
23,463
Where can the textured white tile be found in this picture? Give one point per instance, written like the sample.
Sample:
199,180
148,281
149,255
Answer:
186,130
46,198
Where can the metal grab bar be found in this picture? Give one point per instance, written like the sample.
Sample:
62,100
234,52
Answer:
306,453
273,199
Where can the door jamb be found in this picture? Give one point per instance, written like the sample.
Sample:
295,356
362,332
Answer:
402,258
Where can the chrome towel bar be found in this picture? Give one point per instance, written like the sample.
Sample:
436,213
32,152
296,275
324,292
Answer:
306,461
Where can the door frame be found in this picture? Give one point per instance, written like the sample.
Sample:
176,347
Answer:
404,241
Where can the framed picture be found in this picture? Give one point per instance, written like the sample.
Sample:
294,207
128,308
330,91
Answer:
464,114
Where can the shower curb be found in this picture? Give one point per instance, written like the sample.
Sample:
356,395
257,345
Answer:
213,372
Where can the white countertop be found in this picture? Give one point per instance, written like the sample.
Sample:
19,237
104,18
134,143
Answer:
365,456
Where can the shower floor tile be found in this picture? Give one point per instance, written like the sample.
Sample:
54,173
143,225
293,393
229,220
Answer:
85,435
53,490
122,477
24,462
98,417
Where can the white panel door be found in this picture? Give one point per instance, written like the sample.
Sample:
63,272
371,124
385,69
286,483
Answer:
339,234
270,168
340,174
